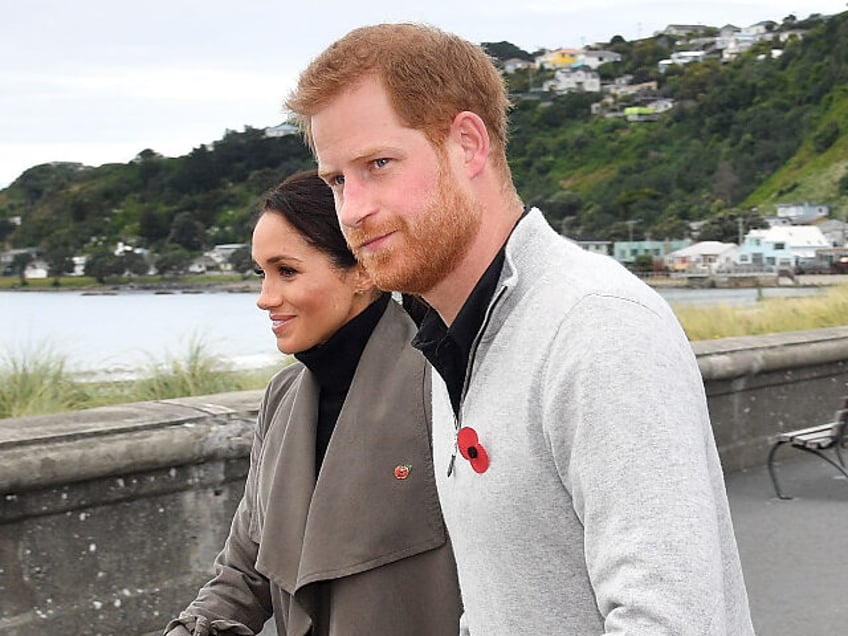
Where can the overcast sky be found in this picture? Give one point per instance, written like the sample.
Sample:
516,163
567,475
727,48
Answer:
97,81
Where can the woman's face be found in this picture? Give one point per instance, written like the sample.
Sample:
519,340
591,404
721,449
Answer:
306,297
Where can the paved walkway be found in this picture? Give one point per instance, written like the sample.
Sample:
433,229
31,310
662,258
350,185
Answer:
794,553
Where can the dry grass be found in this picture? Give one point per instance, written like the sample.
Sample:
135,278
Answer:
37,383
769,315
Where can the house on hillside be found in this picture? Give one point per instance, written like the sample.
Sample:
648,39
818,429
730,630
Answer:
621,89
682,30
218,258
514,64
679,58
726,34
785,36
781,247
835,231
641,113
766,27
593,59
704,257
626,251
596,246
558,58
203,264
282,130
802,213
574,80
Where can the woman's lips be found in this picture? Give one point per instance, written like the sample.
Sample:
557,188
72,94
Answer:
279,323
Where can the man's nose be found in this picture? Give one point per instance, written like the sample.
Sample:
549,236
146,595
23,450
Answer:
353,204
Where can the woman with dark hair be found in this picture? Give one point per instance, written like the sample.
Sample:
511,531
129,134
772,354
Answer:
339,531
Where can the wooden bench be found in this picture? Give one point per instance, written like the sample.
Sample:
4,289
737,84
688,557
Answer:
823,441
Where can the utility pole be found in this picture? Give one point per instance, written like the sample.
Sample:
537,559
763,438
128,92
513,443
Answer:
630,225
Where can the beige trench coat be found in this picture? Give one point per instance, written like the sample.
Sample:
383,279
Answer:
362,551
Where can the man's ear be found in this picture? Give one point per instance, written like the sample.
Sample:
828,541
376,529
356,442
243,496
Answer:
470,134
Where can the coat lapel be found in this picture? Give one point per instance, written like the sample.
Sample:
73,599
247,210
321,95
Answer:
285,482
375,499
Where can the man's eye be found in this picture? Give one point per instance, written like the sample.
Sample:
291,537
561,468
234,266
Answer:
379,163
337,180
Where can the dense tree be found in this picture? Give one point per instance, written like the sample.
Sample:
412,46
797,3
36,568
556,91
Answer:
103,264
20,262
6,228
134,263
173,262
187,232
241,260
58,251
503,51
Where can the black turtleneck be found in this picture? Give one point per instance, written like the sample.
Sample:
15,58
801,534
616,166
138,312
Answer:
333,363
449,348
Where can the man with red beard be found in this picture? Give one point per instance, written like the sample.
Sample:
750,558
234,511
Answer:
574,456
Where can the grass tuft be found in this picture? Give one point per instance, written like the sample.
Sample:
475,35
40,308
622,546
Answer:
198,372
37,382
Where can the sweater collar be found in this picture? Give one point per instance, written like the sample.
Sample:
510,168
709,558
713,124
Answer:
334,362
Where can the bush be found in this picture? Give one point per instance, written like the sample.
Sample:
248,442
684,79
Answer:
826,136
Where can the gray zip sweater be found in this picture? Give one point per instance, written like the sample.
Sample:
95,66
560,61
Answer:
603,509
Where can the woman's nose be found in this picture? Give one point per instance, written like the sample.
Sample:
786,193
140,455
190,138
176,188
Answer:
268,297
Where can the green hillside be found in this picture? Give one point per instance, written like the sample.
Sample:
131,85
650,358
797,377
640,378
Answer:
741,137
749,134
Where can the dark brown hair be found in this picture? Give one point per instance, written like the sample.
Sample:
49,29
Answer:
306,202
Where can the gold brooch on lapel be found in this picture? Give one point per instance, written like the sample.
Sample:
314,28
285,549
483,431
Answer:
402,471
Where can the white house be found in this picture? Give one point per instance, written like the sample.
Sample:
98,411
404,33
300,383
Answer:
36,269
781,247
760,28
514,63
703,257
621,89
834,231
726,35
281,130
785,36
574,80
627,251
594,59
681,30
802,213
597,246
679,58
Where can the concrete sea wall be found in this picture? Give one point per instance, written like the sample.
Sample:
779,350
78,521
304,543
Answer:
110,517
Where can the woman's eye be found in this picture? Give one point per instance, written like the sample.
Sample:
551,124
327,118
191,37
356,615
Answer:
259,272
287,272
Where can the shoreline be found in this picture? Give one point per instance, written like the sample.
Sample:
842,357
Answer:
165,287
253,286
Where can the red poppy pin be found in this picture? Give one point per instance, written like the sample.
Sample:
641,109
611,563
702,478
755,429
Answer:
402,471
472,450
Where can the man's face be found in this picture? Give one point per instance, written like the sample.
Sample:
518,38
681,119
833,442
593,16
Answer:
403,211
